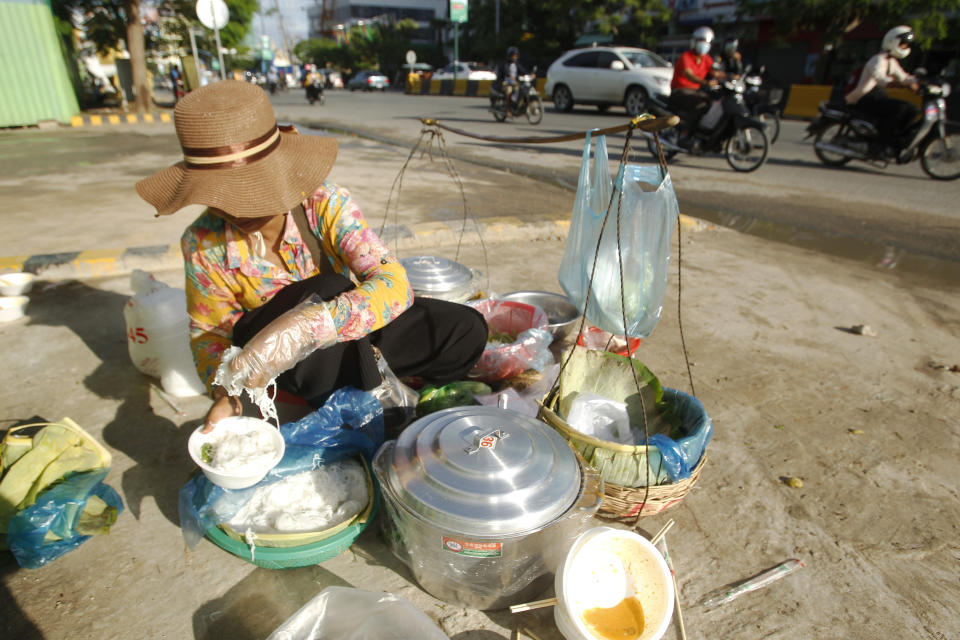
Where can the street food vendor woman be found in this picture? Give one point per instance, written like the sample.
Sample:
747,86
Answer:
283,264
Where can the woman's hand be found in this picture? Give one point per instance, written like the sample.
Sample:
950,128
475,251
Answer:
223,406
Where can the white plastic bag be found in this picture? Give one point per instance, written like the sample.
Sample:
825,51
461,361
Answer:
600,417
345,613
158,335
631,288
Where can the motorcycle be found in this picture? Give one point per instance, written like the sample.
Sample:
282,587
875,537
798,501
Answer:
527,102
727,127
842,133
315,91
763,102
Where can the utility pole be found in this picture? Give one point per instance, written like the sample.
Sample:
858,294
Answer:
283,30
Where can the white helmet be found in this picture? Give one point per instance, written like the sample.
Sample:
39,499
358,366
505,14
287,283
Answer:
702,33
894,38
701,40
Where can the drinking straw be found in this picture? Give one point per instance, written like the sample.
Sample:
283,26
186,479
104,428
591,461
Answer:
166,398
549,602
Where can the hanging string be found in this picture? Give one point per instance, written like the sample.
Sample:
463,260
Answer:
432,134
683,342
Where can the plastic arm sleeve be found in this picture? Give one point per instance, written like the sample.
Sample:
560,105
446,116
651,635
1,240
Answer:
284,342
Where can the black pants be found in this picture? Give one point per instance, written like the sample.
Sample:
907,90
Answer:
894,116
689,104
435,340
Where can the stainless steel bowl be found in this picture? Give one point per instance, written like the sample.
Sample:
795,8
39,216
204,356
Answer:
561,313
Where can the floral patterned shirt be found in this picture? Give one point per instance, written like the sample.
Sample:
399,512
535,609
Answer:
225,279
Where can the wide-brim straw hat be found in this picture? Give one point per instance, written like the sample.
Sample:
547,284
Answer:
236,158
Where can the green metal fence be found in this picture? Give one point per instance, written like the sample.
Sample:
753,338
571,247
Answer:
34,84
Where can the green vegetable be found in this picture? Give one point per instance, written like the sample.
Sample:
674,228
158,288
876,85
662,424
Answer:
505,337
206,453
455,394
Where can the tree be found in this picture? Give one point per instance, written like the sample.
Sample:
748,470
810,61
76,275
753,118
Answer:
380,46
836,18
108,22
545,29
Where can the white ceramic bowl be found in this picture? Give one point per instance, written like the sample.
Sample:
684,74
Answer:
249,474
12,307
16,284
606,567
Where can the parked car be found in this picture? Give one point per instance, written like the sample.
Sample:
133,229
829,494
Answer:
606,76
368,81
465,71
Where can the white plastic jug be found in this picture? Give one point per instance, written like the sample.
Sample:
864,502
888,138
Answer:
157,335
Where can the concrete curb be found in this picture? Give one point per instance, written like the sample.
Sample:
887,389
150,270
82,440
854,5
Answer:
95,120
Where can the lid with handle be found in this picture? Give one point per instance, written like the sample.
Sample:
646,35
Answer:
483,471
434,274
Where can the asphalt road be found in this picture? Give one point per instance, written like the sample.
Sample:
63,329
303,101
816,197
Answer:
894,207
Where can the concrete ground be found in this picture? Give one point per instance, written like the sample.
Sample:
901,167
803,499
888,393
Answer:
870,424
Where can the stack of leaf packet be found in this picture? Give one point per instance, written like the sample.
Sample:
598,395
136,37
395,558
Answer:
52,495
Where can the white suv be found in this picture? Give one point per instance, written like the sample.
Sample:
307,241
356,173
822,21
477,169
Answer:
607,76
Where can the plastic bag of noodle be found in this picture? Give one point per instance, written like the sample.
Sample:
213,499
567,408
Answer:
630,271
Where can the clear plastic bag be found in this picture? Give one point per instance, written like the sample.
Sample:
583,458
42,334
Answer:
600,417
345,613
399,401
526,326
648,214
350,422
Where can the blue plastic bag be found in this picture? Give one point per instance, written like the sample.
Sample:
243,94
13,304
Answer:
682,455
648,213
350,422
56,511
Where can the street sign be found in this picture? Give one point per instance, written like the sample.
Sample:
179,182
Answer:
458,11
411,57
213,14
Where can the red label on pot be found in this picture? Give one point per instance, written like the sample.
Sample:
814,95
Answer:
473,549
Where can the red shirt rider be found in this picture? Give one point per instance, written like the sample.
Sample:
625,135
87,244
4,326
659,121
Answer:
698,65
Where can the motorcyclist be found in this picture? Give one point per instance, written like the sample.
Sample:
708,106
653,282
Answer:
881,71
693,71
730,62
313,82
508,76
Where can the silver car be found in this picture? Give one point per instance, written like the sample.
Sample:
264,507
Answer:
606,76
368,81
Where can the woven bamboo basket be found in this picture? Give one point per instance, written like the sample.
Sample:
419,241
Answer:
635,482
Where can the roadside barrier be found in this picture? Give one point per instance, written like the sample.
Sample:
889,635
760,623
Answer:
804,99
99,120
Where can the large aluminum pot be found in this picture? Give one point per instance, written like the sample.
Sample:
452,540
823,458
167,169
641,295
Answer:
483,503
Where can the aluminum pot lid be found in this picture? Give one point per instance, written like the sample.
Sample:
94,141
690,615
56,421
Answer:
484,471
433,274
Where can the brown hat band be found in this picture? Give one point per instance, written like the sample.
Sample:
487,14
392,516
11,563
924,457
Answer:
233,155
